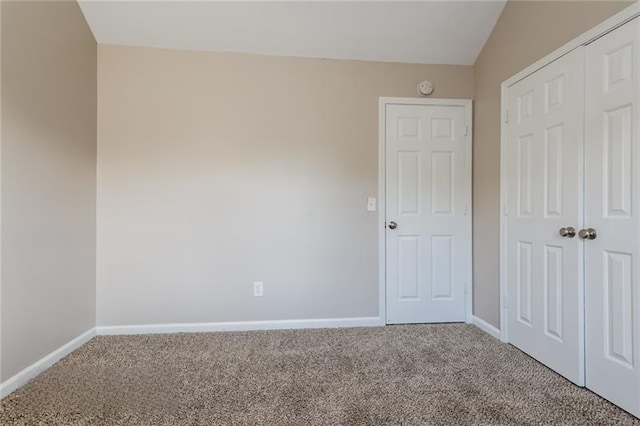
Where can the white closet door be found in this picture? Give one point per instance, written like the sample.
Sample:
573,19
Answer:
428,234
545,147
612,209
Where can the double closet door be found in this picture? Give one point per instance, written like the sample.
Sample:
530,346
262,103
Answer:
573,209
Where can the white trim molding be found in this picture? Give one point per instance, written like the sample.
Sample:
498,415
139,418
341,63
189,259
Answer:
16,382
621,18
383,102
486,327
238,326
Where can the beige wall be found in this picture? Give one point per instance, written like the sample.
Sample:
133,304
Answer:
48,164
526,31
217,170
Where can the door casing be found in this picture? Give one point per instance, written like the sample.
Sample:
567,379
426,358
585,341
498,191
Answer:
382,176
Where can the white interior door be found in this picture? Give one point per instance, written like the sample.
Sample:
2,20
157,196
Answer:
612,209
545,157
428,234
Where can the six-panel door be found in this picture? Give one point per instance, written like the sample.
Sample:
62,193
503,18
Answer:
427,193
545,140
612,209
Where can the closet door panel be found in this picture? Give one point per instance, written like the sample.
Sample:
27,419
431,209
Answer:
612,209
545,142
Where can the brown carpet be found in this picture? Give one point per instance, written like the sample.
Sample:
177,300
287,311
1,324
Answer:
397,375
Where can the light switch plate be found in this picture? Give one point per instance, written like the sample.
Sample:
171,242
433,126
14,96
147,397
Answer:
258,288
371,204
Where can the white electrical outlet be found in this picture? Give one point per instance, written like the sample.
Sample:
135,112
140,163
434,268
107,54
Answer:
258,288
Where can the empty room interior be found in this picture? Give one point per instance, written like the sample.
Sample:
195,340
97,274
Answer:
319,212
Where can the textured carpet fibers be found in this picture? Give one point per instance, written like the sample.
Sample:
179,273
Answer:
397,375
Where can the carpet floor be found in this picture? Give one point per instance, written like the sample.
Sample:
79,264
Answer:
397,375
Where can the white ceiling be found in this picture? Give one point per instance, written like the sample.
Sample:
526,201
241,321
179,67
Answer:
428,32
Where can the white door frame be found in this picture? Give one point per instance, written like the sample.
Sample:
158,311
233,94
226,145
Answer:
596,32
382,179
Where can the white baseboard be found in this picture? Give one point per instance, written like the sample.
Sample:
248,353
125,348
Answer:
38,367
20,379
486,327
239,326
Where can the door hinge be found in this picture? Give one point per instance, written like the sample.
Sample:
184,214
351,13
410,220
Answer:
466,130
506,116
466,288
506,209
506,302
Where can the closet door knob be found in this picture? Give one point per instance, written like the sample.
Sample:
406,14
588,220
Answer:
393,225
588,234
569,232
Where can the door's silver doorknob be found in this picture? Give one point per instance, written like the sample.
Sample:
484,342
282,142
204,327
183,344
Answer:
393,225
588,234
568,232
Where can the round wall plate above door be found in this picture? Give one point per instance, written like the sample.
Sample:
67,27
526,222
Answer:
425,87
